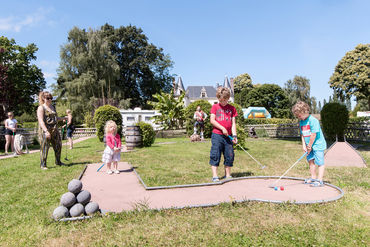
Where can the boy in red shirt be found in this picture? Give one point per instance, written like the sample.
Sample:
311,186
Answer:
223,122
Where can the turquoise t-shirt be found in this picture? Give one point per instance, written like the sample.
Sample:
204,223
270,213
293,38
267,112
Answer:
312,125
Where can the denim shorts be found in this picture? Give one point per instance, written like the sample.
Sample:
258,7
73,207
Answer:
317,156
69,133
221,144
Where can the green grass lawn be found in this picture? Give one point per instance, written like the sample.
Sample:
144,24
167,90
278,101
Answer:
28,195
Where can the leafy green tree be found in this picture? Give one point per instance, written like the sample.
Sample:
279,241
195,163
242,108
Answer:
20,80
172,111
109,65
298,89
242,85
352,74
270,96
241,82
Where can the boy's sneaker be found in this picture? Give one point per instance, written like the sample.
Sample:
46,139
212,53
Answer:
309,181
215,179
109,172
116,171
317,183
228,177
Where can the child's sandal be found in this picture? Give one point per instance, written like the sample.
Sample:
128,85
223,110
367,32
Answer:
317,183
309,181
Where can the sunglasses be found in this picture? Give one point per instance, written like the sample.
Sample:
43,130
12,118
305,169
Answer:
49,98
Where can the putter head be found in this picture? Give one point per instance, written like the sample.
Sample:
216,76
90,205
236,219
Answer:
263,167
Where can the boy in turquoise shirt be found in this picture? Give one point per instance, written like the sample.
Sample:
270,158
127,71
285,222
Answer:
313,142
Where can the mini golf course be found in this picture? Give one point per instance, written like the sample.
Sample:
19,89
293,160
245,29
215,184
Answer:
127,191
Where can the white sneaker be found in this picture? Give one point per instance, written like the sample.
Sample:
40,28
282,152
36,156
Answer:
116,171
109,172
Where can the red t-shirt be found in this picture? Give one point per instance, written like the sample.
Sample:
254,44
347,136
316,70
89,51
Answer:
224,115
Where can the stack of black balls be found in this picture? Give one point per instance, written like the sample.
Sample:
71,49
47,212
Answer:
75,202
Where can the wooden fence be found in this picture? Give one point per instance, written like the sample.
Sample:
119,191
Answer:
31,133
354,131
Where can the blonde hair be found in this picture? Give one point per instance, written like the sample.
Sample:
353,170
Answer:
108,124
300,107
223,92
68,111
42,96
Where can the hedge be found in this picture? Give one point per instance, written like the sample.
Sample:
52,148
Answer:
102,115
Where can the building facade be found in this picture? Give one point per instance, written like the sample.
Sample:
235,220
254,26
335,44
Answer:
208,93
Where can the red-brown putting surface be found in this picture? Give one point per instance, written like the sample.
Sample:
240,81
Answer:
124,191
342,154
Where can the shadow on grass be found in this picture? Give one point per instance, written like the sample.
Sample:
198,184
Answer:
242,174
79,147
78,163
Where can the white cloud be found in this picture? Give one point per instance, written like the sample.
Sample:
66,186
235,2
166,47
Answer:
48,75
17,23
48,64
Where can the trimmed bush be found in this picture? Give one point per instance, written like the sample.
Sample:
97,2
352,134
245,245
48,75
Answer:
147,133
189,116
254,121
334,119
359,119
102,115
240,117
241,136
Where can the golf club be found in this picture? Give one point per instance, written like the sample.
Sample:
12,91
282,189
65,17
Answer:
100,167
262,166
273,185
66,158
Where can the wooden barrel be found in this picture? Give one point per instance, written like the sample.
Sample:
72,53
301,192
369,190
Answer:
133,137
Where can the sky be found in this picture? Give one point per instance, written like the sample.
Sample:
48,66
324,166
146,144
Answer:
207,40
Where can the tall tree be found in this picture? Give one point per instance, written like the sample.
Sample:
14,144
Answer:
314,108
270,96
110,65
352,74
298,89
242,86
320,107
20,79
241,82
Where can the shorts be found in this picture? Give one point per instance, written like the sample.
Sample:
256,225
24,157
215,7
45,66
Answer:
69,133
221,144
9,132
199,123
317,156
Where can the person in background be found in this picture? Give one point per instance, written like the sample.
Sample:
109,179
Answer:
70,128
10,130
199,117
48,129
